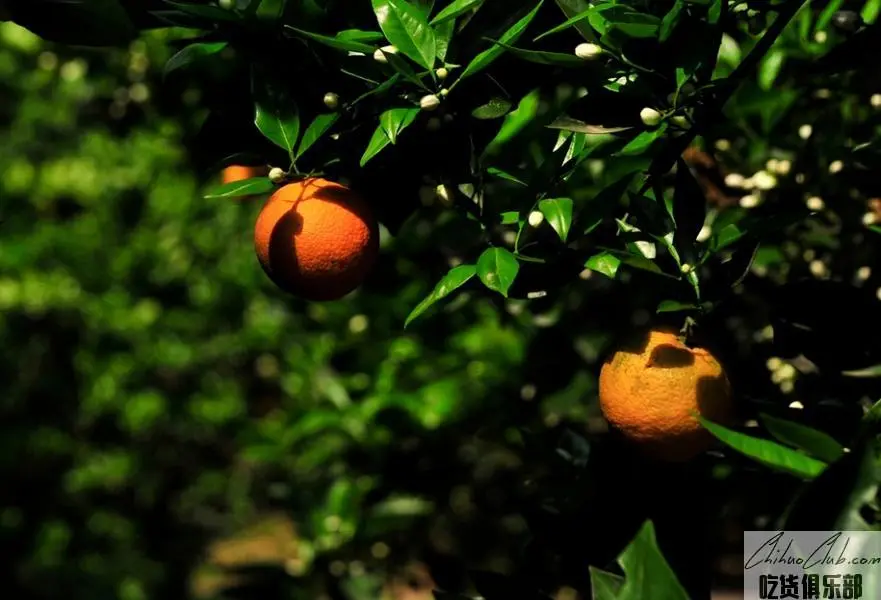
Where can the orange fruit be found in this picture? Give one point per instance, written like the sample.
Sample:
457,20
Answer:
316,239
651,387
238,173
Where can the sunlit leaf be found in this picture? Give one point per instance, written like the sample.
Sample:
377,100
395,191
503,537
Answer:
558,212
317,128
456,278
454,9
646,572
497,269
406,27
191,54
769,453
815,442
245,187
485,58
346,45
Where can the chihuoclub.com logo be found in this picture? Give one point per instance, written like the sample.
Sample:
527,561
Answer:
805,565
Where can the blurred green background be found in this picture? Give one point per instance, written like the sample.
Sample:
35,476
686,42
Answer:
167,414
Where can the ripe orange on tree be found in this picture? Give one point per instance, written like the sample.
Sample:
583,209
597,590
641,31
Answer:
316,239
650,388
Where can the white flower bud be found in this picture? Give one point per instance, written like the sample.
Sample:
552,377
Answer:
750,201
783,167
734,180
805,131
815,203
588,51
429,102
331,100
764,181
536,218
380,55
277,175
681,121
685,268
443,93
442,73
704,234
650,116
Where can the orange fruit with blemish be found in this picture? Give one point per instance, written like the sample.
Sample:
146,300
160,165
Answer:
316,239
651,388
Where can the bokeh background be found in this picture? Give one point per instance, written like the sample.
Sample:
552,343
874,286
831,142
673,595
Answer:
175,427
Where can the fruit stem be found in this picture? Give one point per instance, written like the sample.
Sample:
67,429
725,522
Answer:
687,332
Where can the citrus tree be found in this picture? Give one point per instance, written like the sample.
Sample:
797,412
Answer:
545,144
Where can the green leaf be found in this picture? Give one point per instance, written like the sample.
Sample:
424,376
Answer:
558,212
406,27
277,118
870,372
825,18
246,187
814,442
511,217
608,262
485,58
573,8
756,227
454,9
377,142
346,45
381,88
605,585
192,53
403,67
453,280
671,19
643,141
607,17
497,269
317,128
675,306
646,572
570,22
269,10
359,35
394,121
506,176
770,67
494,109
715,11
768,453
516,121
569,124
838,498
871,10
544,58
76,22
443,34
